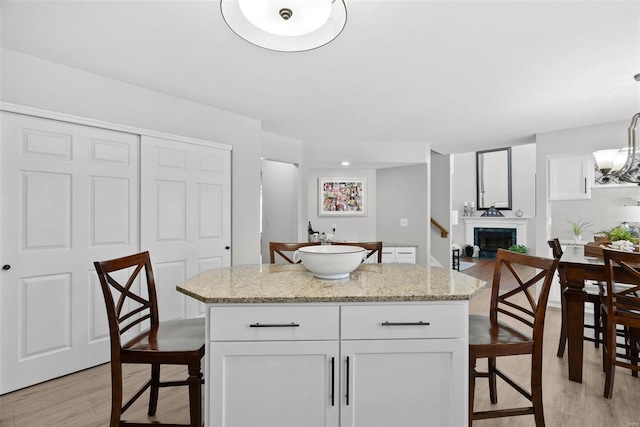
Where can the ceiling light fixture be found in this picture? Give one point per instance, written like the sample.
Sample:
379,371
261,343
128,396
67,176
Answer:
616,165
285,25
345,163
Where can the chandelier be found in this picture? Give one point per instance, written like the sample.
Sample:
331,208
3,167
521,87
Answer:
620,165
285,25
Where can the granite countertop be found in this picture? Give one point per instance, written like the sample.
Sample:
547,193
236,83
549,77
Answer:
292,283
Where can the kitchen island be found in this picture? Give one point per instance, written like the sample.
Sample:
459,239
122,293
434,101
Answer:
386,347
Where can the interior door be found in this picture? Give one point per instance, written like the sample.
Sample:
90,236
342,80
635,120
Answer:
69,198
186,216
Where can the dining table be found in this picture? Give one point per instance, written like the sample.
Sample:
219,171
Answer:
581,263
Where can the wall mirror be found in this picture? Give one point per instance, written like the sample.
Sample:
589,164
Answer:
493,178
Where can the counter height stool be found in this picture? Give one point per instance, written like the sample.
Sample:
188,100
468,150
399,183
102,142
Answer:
175,342
496,335
372,248
592,296
280,248
622,309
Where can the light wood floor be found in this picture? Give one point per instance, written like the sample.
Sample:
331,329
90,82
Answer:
83,399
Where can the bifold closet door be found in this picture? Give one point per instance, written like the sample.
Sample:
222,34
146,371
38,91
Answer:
69,197
186,216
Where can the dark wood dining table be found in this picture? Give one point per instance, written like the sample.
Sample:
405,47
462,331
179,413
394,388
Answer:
580,267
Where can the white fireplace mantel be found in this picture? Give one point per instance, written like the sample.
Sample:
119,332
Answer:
519,223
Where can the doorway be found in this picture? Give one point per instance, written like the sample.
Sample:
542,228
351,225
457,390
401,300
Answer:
279,204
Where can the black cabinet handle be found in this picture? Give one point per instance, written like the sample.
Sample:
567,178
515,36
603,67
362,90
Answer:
6,267
420,323
346,396
274,325
227,247
333,380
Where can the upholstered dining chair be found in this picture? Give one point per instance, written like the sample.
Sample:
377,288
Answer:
285,250
622,309
372,248
501,332
175,342
592,295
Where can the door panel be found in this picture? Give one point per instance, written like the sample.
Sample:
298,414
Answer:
69,197
186,224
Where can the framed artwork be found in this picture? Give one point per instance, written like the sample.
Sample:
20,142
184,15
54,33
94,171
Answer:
342,196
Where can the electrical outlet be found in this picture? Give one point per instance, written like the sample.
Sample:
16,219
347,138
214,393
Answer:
404,222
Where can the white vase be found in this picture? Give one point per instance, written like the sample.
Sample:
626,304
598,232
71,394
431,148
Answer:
578,239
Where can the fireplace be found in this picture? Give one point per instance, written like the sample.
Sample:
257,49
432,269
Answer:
489,240
516,228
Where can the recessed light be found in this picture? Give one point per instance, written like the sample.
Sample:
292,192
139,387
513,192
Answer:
345,163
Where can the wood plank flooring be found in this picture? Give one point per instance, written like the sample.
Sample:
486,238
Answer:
83,399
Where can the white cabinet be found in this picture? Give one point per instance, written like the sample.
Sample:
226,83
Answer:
274,384
388,364
403,383
399,254
570,177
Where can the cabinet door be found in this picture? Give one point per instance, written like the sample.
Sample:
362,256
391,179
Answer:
391,383
570,177
273,384
388,255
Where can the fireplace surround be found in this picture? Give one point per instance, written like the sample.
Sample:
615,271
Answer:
517,225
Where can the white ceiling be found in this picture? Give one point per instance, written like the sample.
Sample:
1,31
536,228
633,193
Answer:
459,75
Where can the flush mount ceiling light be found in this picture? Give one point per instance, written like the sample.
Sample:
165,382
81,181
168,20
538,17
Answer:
285,25
623,164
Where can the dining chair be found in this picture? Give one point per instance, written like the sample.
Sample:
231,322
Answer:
175,342
284,250
372,248
593,296
622,309
501,332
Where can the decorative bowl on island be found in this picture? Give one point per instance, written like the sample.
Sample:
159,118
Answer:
330,261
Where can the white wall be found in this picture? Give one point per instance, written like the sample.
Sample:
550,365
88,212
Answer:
34,82
523,181
601,209
403,192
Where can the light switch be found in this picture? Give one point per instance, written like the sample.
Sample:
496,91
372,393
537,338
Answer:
404,222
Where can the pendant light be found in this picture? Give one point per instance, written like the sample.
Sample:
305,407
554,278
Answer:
623,164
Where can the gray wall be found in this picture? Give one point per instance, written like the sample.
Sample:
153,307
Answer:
33,82
441,206
403,192
279,204
352,228
601,209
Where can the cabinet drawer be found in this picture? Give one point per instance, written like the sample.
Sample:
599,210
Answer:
274,323
403,321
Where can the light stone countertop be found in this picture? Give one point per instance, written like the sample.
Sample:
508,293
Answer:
292,283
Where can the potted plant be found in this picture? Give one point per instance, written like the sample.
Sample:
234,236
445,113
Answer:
578,227
623,232
518,248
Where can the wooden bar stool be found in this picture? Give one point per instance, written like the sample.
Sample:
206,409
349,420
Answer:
175,342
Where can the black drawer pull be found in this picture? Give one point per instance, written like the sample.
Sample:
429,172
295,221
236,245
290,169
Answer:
420,323
274,325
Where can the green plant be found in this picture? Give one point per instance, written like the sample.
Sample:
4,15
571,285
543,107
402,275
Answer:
623,233
518,248
579,226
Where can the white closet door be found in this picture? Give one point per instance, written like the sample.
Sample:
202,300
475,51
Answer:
69,198
186,216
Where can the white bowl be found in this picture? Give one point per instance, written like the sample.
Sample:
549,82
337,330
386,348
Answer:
330,261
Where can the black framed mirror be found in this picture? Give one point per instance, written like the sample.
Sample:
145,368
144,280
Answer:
493,178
